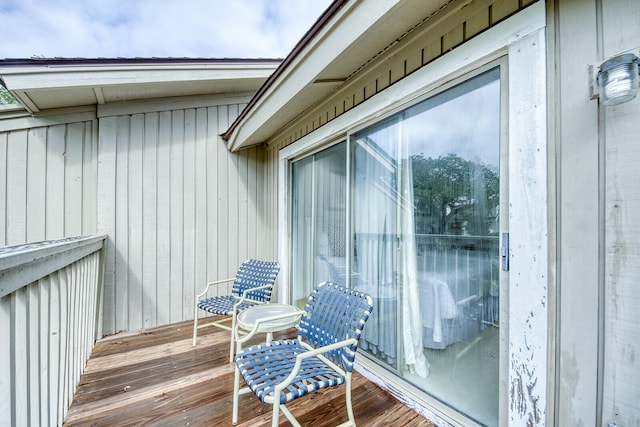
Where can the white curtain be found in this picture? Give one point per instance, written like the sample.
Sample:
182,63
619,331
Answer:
385,247
408,269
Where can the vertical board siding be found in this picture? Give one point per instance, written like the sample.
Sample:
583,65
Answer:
177,214
163,226
106,215
55,175
186,211
36,184
188,215
117,297
133,184
47,177
223,194
621,377
15,202
3,186
49,329
150,220
577,252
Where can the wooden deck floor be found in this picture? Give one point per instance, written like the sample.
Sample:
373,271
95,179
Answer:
157,378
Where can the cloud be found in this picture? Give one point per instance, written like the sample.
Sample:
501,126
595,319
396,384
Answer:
154,28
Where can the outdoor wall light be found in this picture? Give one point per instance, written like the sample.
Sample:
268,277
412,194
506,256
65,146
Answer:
618,79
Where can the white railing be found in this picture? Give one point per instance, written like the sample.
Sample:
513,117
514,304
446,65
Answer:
50,315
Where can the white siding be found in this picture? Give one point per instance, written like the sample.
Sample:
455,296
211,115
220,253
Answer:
621,378
47,182
177,207
179,210
598,338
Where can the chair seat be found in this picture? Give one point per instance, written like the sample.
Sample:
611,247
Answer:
223,304
265,365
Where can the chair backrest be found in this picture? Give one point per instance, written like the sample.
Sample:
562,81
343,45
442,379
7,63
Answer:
334,313
253,273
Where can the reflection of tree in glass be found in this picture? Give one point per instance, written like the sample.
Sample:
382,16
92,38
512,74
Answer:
454,196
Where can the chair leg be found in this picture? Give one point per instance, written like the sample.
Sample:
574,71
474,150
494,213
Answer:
195,325
275,416
347,394
236,392
233,335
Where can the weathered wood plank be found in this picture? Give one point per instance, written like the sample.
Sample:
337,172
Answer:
169,382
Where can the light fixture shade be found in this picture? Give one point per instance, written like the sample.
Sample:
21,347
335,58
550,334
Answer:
618,79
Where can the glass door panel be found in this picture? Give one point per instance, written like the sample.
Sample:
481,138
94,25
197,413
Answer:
318,221
425,197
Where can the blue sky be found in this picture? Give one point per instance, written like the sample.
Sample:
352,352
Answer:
154,28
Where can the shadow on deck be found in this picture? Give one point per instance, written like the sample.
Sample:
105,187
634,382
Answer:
156,377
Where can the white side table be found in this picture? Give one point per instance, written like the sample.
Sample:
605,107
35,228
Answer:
265,318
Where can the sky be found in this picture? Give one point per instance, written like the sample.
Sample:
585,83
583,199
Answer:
154,28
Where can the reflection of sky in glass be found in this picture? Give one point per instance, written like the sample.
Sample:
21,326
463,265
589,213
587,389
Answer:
464,121
467,125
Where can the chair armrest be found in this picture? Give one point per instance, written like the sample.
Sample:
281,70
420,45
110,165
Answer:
313,352
217,282
244,295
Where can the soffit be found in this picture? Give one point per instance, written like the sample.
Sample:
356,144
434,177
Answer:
353,37
47,84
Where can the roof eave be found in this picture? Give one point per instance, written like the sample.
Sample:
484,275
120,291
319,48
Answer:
27,79
346,38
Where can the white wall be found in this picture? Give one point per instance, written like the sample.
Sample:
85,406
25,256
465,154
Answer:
179,209
598,338
621,143
47,177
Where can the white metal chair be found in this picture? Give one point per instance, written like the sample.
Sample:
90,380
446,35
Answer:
253,284
322,356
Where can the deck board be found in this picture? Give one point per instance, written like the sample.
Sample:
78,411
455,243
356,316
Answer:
157,378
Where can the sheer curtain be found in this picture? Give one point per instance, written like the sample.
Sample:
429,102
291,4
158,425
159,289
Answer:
385,249
408,269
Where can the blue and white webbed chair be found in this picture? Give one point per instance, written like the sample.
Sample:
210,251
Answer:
322,356
252,285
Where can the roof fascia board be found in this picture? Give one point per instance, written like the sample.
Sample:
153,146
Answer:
337,35
47,77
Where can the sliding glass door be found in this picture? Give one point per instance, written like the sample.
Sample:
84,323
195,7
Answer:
423,220
318,221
